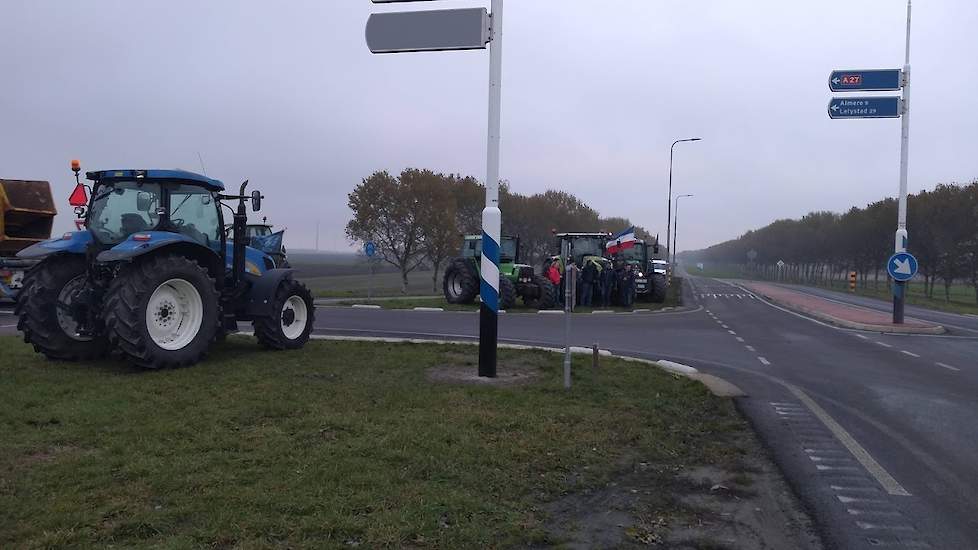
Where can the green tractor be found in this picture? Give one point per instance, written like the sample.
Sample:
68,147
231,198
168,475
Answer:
649,284
461,281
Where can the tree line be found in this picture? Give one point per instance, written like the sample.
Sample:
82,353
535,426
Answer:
823,247
417,218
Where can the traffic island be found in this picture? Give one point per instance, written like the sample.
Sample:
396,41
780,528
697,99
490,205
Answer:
837,313
350,444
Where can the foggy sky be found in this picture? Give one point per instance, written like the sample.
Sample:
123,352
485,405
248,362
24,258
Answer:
594,92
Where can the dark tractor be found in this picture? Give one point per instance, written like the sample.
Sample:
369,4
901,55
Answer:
649,285
153,277
461,281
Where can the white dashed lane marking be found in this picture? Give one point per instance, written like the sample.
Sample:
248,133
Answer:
884,344
750,348
910,353
763,361
948,367
739,339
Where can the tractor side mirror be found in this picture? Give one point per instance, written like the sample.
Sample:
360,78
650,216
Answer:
256,200
144,201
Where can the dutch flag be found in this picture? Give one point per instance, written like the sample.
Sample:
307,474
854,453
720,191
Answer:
622,241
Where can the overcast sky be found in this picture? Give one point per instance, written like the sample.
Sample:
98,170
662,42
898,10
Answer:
594,92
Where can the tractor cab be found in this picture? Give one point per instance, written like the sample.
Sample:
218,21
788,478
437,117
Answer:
582,245
509,257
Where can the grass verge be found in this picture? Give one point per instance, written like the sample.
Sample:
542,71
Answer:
337,445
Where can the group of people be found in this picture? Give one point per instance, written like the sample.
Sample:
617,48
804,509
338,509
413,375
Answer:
600,282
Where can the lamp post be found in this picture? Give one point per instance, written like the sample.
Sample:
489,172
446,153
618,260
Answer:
669,209
675,228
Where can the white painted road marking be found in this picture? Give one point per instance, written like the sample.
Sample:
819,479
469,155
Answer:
763,361
910,353
949,367
750,348
739,339
732,332
884,344
7,326
863,336
891,485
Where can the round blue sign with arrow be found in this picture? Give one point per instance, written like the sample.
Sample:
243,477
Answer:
370,249
902,266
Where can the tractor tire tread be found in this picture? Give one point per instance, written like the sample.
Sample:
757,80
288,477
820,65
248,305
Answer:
36,313
123,319
268,329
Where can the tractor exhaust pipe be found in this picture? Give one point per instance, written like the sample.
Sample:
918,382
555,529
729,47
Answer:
238,251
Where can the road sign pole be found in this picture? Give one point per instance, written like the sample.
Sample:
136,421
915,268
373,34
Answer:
899,288
491,215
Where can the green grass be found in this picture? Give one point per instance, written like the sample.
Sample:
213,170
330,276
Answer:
337,445
353,286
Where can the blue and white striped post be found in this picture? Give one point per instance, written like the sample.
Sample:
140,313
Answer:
491,216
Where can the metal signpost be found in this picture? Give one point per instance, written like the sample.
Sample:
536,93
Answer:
883,107
570,278
461,29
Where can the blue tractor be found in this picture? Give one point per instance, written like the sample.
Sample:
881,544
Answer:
153,278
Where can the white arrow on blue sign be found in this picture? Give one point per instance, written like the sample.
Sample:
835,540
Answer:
872,80
865,107
902,266
370,249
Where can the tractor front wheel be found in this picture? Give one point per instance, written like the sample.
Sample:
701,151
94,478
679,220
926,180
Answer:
546,294
293,315
507,293
659,288
48,306
461,282
162,312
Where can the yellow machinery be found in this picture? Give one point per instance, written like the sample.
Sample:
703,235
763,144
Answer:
26,215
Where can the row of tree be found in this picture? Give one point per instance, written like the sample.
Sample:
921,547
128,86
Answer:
825,246
417,219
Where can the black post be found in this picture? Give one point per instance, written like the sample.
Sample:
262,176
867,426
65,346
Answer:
488,332
899,289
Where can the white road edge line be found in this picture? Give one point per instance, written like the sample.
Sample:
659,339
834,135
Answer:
763,361
7,326
910,353
949,367
891,485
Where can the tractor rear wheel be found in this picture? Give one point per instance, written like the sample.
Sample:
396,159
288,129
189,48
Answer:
45,308
659,288
162,312
292,321
507,293
546,297
460,282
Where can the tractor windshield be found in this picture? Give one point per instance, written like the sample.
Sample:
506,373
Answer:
633,254
587,246
473,247
122,208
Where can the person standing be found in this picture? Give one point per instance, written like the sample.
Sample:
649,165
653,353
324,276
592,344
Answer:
553,275
607,283
589,277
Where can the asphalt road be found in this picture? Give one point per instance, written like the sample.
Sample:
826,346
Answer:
878,434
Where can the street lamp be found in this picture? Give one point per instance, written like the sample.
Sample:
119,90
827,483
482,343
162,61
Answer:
669,209
675,229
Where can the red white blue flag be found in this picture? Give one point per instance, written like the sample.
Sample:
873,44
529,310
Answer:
622,241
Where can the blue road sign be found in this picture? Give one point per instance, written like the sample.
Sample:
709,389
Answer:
370,249
902,266
865,107
872,80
